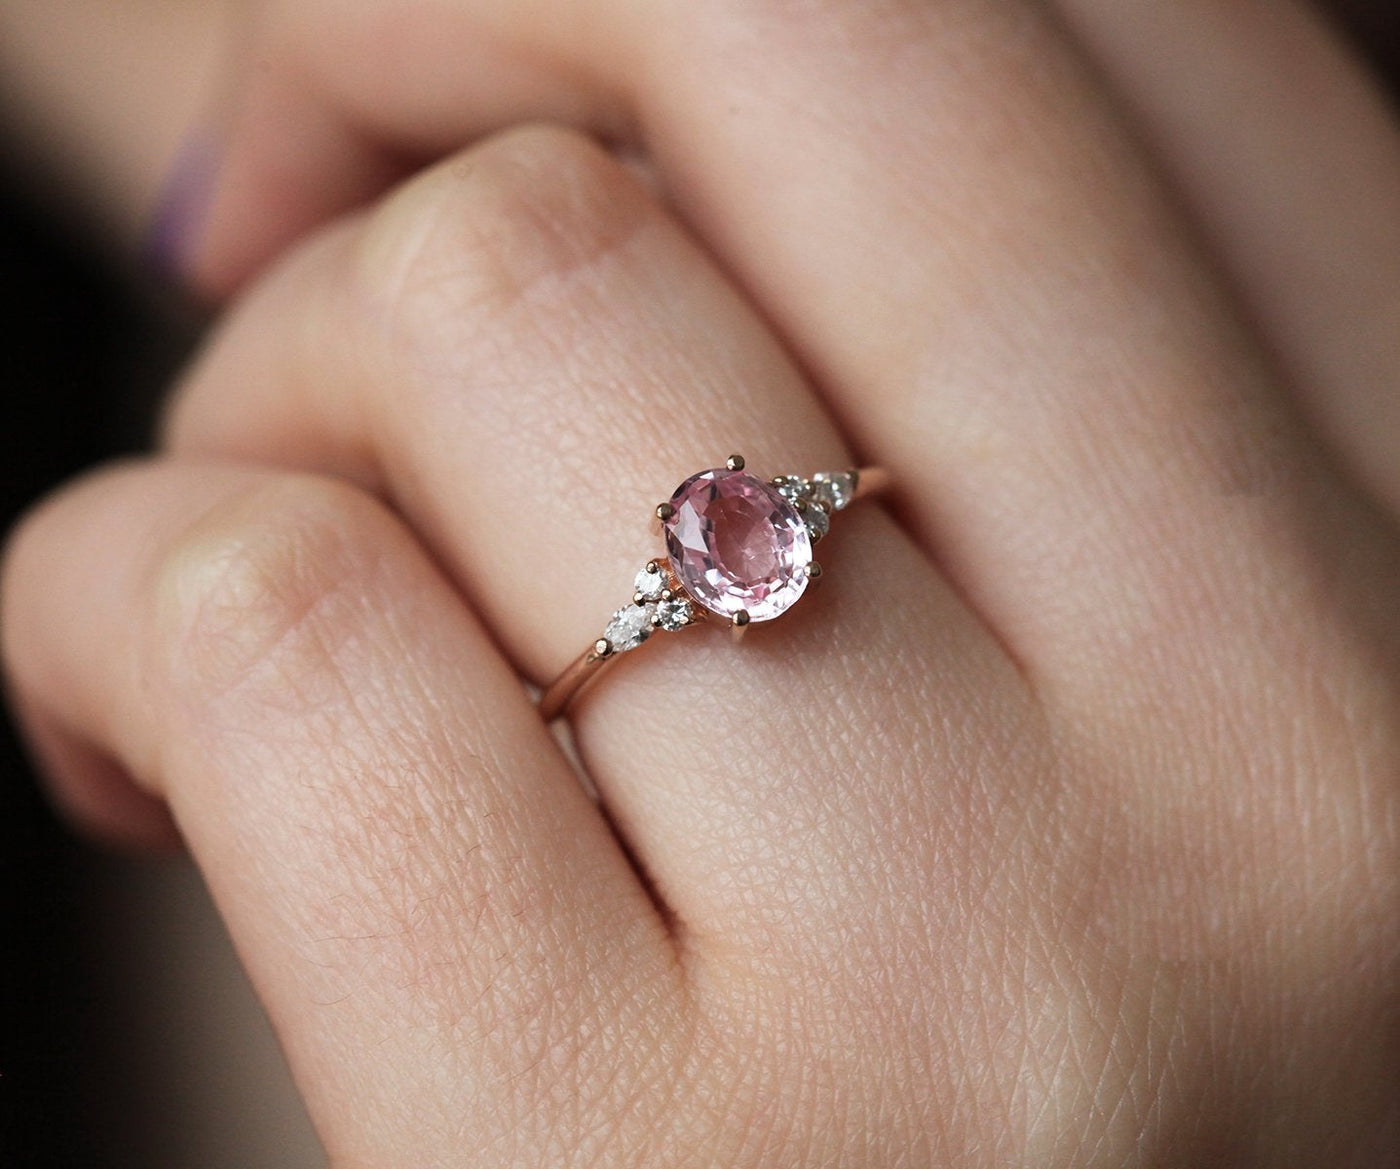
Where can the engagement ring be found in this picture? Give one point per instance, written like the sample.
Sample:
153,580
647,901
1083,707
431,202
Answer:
739,550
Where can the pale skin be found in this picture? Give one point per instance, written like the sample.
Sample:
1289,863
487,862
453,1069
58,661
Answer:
1058,828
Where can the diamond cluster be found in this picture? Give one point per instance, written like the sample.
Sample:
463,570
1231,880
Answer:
658,602
816,498
738,547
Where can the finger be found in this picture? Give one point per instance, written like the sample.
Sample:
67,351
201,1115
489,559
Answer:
93,790
425,898
539,355
285,160
1089,437
1291,159
321,125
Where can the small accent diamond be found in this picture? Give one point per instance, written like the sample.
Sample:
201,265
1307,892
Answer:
629,627
650,585
792,488
818,520
838,488
674,615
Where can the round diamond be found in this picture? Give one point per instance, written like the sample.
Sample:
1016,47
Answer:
629,627
838,488
650,585
791,488
673,616
818,520
737,545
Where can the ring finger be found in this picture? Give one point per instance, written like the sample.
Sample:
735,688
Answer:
524,353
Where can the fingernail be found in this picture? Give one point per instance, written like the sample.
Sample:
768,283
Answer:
182,208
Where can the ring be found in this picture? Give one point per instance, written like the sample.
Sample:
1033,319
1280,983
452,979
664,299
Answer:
739,550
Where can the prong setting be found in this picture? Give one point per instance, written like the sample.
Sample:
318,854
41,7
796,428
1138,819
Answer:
660,603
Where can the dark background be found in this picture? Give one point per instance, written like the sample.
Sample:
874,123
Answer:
85,350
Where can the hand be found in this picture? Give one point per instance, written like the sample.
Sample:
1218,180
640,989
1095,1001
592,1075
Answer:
1058,829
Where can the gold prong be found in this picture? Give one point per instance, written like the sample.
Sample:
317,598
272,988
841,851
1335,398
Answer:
667,595
603,648
739,623
638,599
665,512
735,462
653,566
814,571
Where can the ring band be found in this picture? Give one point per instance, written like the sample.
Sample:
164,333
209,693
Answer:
739,550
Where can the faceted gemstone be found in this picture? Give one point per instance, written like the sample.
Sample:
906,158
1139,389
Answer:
791,487
675,615
629,627
838,488
737,545
650,585
818,520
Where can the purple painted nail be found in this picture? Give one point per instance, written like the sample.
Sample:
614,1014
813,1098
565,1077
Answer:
182,207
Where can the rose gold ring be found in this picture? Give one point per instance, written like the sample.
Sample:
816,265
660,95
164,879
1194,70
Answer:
739,550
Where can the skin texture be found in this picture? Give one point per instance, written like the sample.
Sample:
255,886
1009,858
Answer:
1059,828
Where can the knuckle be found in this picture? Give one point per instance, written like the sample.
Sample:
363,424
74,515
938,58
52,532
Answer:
511,221
260,592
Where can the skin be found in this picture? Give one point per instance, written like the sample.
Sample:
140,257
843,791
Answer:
1059,828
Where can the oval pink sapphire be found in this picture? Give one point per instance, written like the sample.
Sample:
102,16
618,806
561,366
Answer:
737,545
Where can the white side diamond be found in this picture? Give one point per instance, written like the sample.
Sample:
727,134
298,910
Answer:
838,488
674,615
650,585
629,627
791,487
818,520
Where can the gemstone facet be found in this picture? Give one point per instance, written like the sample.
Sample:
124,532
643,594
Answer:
737,545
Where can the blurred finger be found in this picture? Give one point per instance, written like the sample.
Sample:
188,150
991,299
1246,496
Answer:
92,788
333,102
1291,159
